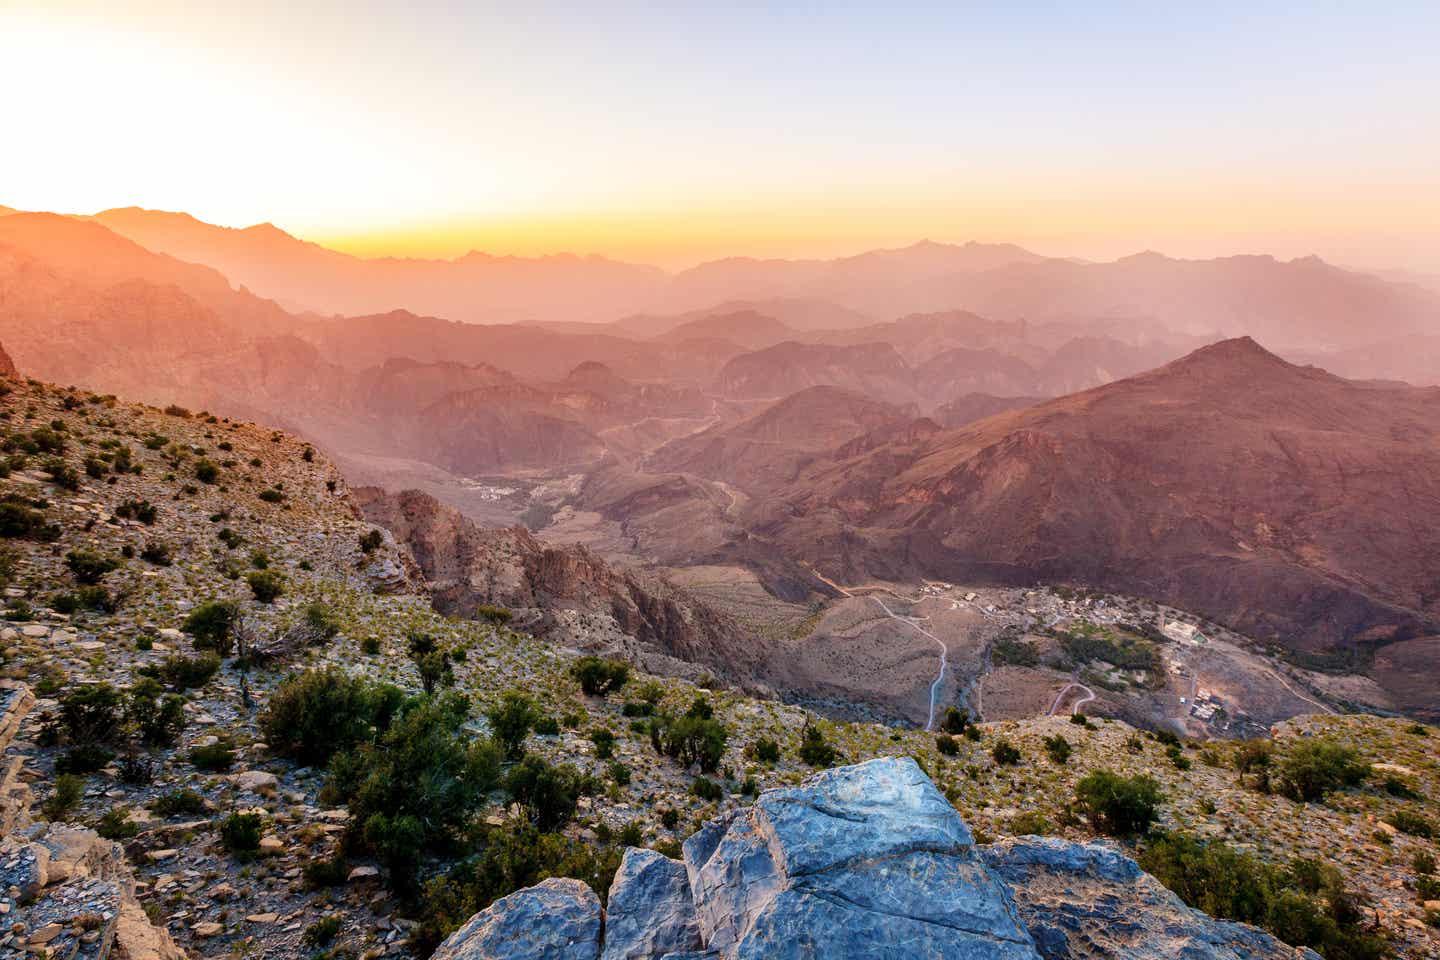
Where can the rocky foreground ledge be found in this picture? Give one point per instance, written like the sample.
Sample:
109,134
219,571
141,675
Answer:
867,861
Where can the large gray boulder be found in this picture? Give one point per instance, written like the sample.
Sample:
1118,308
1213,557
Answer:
649,912
553,920
1085,901
863,861
867,862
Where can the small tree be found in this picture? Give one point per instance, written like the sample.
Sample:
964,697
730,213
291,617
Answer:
210,624
266,585
598,677
371,540
510,722
814,748
1005,753
1058,749
549,793
1116,805
89,567
955,720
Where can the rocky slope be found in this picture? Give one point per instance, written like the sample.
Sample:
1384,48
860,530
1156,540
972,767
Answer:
565,594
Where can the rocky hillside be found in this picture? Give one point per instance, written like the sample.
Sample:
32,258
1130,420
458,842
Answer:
1285,502
565,595
241,681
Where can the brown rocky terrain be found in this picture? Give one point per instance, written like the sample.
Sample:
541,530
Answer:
1282,500
565,594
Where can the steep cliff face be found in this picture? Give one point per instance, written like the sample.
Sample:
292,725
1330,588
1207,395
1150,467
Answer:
867,861
566,594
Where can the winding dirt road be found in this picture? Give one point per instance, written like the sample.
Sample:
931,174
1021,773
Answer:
1075,708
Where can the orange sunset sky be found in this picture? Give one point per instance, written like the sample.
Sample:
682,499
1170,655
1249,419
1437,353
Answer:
672,135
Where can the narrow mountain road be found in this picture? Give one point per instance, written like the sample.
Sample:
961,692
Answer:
1301,696
1089,695
944,656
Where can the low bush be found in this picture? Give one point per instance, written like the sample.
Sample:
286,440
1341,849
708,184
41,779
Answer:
417,783
1305,904
89,567
693,738
240,834
547,792
265,585
210,625
313,715
1313,767
1116,805
598,677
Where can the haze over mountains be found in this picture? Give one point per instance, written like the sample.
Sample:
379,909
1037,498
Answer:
885,416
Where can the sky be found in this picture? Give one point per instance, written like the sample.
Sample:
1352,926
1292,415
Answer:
673,133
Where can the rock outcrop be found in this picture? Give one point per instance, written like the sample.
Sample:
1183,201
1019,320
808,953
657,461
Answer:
1088,900
863,861
64,890
553,920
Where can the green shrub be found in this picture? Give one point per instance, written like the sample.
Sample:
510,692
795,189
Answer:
116,824
511,721
318,625
265,585
1116,805
240,834
1304,905
498,616
1314,767
313,715
179,802
1005,753
206,472
815,749
19,520
156,552
547,726
707,789
330,871
64,797
548,793
213,757
89,567
184,673
157,717
1031,823
509,857
142,510
694,738
598,677
767,750
371,540
955,720
90,714
1058,749
604,740
321,932
417,783
947,745
210,625
1412,822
